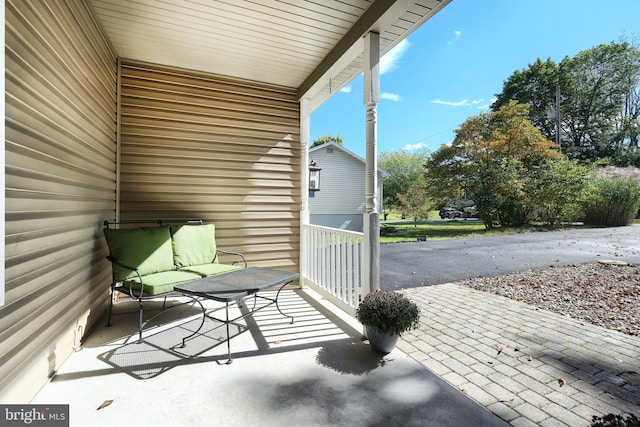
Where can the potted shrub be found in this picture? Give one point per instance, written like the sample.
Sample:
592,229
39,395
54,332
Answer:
386,315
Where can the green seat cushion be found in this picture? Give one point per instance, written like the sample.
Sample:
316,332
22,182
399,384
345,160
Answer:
160,283
193,245
147,248
210,269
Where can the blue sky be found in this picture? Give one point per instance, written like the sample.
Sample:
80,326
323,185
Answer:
452,67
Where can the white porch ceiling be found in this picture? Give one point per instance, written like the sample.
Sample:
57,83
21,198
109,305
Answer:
314,46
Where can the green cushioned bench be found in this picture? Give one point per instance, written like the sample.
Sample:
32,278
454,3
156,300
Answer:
147,262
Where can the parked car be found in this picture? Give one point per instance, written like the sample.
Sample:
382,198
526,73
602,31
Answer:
450,213
470,212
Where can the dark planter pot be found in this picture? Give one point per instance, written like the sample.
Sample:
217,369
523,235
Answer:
381,343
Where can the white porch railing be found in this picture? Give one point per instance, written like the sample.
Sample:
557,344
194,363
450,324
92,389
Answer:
331,263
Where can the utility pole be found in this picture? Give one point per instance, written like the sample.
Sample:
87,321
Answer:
558,117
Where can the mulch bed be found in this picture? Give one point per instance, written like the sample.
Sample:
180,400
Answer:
600,293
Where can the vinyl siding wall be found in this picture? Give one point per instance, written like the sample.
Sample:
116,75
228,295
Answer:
228,151
60,126
189,145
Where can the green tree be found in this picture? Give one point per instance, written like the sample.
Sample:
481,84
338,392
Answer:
597,83
536,87
630,122
510,179
327,138
489,161
406,170
600,100
415,203
554,189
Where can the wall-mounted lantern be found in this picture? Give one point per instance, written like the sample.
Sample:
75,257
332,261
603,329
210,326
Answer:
314,176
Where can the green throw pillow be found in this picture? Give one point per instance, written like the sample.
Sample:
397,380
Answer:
193,244
147,248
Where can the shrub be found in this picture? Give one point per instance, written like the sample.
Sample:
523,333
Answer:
388,312
554,190
611,201
612,420
573,212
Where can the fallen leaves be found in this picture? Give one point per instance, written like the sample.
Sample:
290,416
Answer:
603,295
104,404
501,349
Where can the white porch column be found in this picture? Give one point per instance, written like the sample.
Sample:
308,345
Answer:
305,135
371,220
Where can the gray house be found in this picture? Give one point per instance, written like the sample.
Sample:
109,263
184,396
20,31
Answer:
340,203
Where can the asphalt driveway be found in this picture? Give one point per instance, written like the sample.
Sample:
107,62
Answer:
408,265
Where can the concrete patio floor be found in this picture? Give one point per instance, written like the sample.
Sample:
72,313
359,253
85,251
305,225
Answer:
315,372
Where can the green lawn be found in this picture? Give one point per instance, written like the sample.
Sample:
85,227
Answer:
405,231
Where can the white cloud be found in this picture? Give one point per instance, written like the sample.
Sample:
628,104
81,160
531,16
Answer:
461,103
414,147
346,89
456,35
390,60
391,96
487,105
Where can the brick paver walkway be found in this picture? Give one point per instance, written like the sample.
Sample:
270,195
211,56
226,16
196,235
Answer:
531,367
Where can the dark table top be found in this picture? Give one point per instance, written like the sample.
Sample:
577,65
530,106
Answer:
237,284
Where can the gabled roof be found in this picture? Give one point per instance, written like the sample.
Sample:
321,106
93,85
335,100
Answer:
347,152
313,46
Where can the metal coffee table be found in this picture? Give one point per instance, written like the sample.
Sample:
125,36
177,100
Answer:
232,287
